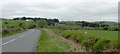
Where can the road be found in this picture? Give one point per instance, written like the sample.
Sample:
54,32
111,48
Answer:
23,42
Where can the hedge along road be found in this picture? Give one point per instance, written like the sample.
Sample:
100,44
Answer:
23,42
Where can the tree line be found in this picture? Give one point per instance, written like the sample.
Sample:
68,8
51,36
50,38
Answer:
50,22
42,22
92,25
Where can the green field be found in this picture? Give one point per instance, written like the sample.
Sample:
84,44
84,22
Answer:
11,23
112,35
10,27
96,40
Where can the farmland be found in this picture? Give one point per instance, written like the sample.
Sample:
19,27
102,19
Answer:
16,25
10,27
112,35
11,23
92,39
96,37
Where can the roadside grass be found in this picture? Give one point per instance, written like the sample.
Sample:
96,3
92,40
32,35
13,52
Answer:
49,43
9,34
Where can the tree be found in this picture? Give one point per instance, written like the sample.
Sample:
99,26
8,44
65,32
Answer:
93,25
15,18
106,28
41,23
50,23
56,20
84,23
23,18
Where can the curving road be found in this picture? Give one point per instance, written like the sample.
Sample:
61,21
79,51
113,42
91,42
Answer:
23,42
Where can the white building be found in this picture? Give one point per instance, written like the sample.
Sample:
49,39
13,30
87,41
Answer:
29,20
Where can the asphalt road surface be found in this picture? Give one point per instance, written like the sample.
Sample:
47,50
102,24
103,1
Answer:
23,42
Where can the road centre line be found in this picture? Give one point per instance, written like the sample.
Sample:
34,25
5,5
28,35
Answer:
8,41
14,39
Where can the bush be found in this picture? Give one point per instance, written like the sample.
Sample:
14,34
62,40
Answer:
29,25
106,28
81,39
74,36
89,41
66,35
42,23
116,45
116,29
10,30
101,45
6,22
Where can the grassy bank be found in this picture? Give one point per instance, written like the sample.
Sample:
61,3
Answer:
9,34
95,40
50,43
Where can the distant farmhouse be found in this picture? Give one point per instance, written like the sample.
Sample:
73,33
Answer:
28,20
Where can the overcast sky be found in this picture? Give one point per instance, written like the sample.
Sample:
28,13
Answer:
64,10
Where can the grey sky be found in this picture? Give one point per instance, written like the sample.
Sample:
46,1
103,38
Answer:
64,10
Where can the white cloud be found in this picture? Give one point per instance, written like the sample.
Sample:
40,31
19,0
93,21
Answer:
90,10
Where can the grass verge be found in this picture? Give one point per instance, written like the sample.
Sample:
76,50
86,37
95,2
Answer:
49,43
9,34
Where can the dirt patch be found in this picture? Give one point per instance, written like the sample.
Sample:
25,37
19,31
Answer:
49,32
75,47
112,49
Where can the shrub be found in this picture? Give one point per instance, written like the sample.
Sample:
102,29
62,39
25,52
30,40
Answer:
81,39
101,45
10,30
116,29
6,22
41,23
106,28
75,49
66,34
5,31
74,36
116,44
29,25
87,43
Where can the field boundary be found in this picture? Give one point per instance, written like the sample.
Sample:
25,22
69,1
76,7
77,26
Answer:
93,44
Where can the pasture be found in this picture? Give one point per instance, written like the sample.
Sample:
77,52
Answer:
112,35
11,23
96,40
10,27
